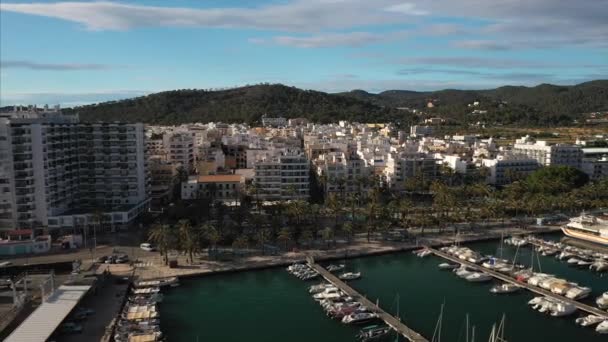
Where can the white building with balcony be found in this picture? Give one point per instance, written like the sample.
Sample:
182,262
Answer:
282,175
547,154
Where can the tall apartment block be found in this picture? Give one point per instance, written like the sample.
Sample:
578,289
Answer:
56,172
282,176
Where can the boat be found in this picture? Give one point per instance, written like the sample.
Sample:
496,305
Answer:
599,266
423,253
587,228
478,277
505,288
373,333
320,288
602,328
146,290
589,320
328,294
447,266
335,268
560,309
357,318
350,276
171,281
602,301
578,292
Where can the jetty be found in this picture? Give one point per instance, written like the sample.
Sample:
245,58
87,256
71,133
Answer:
390,320
583,307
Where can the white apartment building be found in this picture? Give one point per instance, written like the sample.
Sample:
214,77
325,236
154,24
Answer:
421,131
400,167
283,175
56,171
273,122
505,169
179,147
546,154
341,172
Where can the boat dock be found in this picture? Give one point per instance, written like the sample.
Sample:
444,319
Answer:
583,307
389,319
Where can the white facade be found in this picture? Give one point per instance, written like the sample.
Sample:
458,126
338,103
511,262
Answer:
507,168
545,154
341,172
179,147
62,167
401,167
420,131
283,175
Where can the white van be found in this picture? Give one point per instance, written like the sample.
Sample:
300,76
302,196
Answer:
147,247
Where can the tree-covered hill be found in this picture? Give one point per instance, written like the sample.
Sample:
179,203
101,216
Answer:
510,105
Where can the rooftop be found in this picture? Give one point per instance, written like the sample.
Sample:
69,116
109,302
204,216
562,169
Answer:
220,178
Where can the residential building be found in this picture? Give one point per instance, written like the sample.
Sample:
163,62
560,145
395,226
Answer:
546,154
180,149
282,175
421,131
57,169
224,188
401,167
506,168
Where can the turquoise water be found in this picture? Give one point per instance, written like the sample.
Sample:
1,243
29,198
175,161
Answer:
271,305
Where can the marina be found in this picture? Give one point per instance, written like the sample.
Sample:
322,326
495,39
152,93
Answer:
272,298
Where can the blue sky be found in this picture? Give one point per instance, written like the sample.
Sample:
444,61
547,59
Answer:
82,52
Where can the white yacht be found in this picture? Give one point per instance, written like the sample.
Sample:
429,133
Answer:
588,228
320,288
590,320
327,294
359,317
560,309
447,266
578,292
478,277
602,301
350,276
602,328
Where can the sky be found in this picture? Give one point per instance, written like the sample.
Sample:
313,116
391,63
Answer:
79,52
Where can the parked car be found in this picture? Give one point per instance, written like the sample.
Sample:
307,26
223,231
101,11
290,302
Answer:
102,259
147,247
70,328
121,259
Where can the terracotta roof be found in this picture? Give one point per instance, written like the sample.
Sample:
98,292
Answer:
220,178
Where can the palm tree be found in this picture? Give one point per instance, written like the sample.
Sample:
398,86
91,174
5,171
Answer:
162,236
284,237
328,234
335,207
347,230
211,234
404,207
306,236
262,236
241,242
189,239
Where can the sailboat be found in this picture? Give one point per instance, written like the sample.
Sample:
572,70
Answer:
497,333
437,332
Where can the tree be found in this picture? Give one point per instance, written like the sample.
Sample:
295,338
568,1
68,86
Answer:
262,237
211,234
241,242
306,237
335,207
162,236
327,234
347,230
556,179
188,239
285,237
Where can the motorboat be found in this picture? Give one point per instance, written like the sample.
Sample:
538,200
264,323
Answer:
505,288
447,266
424,253
573,261
357,318
602,328
171,281
565,255
537,278
328,294
320,288
350,276
589,320
560,309
562,287
602,301
335,268
373,333
578,292
478,277
599,266
535,301
146,290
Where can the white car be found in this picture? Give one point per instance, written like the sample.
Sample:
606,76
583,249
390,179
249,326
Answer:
147,247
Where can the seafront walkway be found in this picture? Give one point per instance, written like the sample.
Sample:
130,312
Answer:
583,307
389,319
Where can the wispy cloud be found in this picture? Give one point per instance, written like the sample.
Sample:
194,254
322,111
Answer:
21,64
351,39
299,15
474,62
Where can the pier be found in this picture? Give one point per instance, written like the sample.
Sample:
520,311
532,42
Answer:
389,319
583,307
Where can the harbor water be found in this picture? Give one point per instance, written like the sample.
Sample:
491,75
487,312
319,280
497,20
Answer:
272,305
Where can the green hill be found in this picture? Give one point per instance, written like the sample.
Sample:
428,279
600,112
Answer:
541,105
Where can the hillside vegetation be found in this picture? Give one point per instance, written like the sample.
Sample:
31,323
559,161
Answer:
525,106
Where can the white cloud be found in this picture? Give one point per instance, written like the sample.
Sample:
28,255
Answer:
67,98
406,8
299,15
352,39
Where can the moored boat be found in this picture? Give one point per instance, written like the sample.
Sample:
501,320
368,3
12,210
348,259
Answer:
505,288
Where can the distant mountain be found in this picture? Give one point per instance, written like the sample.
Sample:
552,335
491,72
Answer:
543,104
